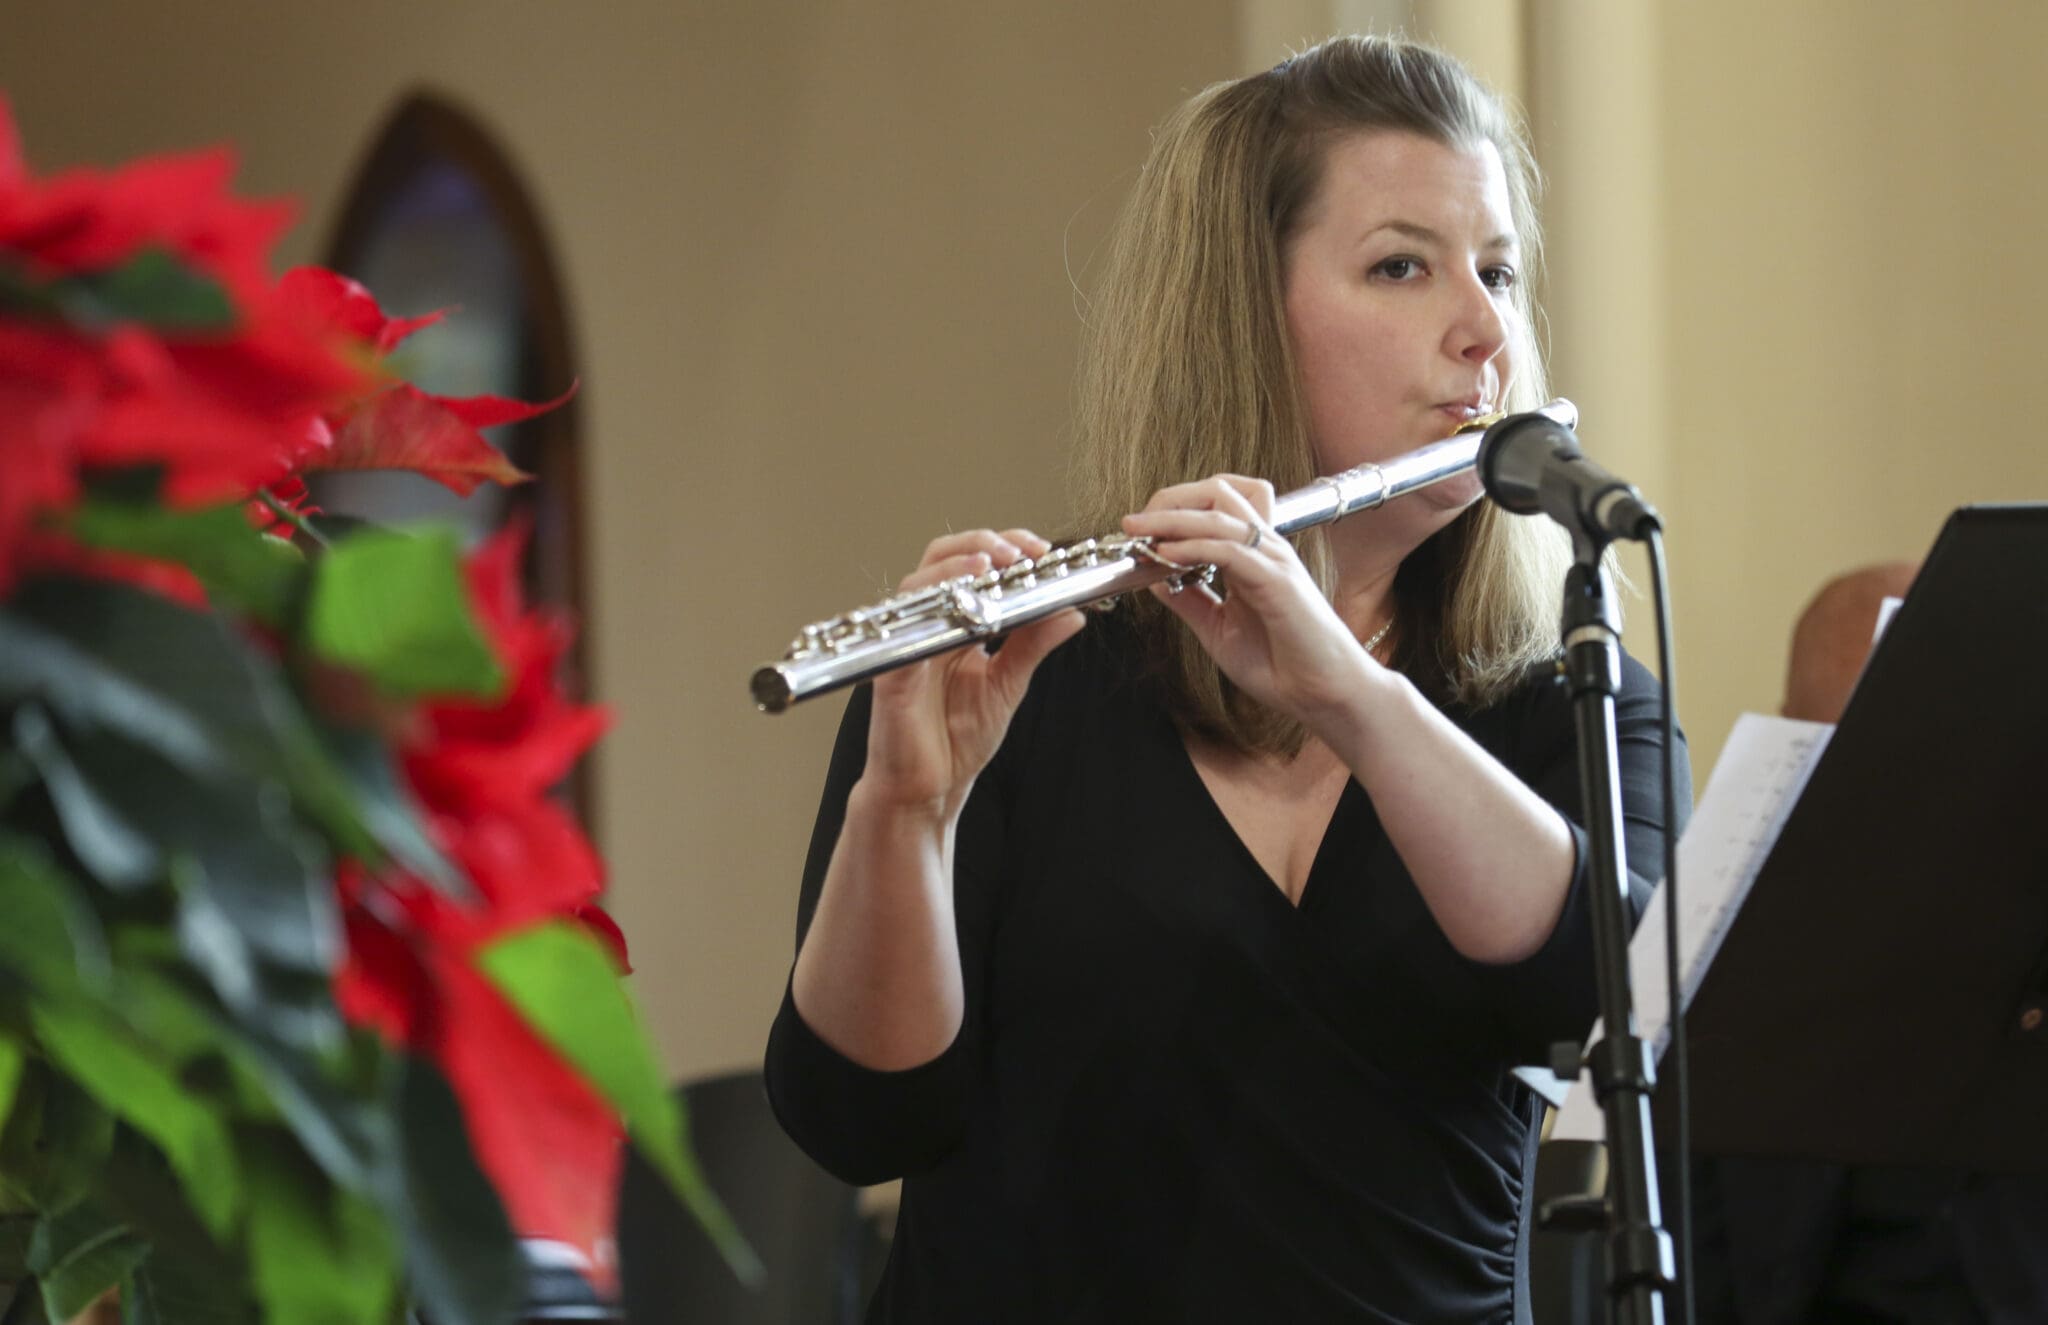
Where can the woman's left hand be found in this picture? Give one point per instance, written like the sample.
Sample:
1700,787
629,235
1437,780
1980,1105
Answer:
1274,635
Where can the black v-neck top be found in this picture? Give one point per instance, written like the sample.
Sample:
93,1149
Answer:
1177,1096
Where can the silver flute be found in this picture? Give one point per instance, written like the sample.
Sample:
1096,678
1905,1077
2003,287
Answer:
969,609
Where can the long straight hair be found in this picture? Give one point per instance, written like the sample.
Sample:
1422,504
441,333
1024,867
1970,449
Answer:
1188,370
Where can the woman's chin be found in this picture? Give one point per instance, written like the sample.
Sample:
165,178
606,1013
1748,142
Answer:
1453,494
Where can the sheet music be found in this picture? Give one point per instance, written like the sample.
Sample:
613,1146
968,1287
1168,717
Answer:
1885,611
1751,793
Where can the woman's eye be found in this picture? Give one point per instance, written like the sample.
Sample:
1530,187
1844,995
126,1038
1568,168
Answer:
1498,278
1398,269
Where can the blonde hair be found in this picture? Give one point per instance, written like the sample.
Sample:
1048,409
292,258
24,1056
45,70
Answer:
1188,370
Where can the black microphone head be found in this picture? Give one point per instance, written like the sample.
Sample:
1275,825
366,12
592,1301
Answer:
1514,455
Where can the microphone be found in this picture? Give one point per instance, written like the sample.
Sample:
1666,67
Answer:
1531,463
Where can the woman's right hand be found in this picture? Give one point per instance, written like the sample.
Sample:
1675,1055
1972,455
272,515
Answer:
937,723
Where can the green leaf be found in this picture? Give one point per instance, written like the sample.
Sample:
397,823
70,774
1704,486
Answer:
116,656
328,1099
15,1231
563,982
17,775
51,938
132,484
388,809
318,1255
54,1142
247,859
147,1093
158,290
12,1063
26,1306
22,296
212,1051
335,1122
238,565
394,606
173,1017
188,1279
254,888
80,1254
165,1291
102,839
345,1134
179,682
154,288
463,1263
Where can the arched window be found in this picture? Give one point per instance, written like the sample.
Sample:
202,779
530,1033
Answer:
437,217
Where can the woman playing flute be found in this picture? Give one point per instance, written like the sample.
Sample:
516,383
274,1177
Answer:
1180,967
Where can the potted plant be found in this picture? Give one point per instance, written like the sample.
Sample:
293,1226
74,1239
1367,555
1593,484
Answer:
307,1008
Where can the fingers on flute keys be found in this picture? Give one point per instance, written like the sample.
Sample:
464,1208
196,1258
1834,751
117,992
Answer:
970,552
1225,521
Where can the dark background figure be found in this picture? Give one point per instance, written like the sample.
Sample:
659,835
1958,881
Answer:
1779,1241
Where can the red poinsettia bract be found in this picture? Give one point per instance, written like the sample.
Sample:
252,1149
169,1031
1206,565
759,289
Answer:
483,772
219,407
400,426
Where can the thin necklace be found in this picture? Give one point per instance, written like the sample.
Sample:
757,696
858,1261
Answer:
1379,635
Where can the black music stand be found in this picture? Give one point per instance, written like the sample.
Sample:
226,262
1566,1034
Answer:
1882,996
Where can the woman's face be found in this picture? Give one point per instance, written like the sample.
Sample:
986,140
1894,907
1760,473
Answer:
1398,284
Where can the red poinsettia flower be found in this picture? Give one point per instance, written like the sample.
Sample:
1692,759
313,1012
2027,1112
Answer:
89,220
551,1146
401,426
220,400
71,404
322,298
483,771
139,327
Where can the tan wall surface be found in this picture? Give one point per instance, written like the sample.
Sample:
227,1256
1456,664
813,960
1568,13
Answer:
816,257
1853,199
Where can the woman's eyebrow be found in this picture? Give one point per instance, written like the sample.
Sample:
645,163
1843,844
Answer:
1423,234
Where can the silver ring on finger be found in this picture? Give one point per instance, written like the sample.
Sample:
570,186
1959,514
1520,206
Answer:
1258,532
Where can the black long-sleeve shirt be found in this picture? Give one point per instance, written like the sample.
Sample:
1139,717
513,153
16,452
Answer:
1176,1096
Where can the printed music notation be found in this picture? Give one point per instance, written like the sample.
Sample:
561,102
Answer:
1754,786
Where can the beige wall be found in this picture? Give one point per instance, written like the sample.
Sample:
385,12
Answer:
817,255
1854,196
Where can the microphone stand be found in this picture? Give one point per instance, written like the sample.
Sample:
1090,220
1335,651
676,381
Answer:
1640,1269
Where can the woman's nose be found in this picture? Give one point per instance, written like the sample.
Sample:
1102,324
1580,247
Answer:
1479,331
